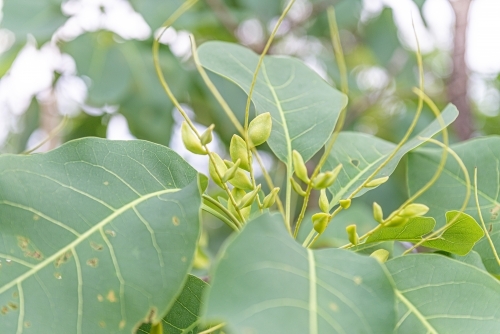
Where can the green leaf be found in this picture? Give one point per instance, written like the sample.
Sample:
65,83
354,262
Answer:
460,237
96,236
304,108
448,193
414,230
361,154
439,295
265,282
182,318
39,18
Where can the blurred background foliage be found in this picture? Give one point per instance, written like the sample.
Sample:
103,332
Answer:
91,60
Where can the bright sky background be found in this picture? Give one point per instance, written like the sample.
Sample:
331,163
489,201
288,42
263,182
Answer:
32,73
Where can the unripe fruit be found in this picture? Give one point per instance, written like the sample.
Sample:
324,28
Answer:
298,189
324,180
376,182
248,199
259,129
378,214
221,168
381,255
345,203
299,166
238,150
414,210
191,141
231,172
241,180
324,205
270,198
206,137
352,234
397,221
320,221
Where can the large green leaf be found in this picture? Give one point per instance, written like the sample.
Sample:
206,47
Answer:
39,18
265,282
182,318
96,236
440,295
361,154
448,193
304,108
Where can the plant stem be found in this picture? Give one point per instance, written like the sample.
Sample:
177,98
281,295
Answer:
222,208
217,214
212,329
50,136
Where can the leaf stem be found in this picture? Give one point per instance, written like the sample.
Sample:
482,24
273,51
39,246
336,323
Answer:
492,245
223,209
217,214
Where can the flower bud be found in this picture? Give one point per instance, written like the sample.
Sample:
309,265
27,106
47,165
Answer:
397,221
320,221
248,199
352,235
191,141
345,203
414,210
297,187
270,198
378,214
206,137
221,168
300,166
259,129
238,150
231,172
324,205
376,182
238,194
381,255
324,180
241,180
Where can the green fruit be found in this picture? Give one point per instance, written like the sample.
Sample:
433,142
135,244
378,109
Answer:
259,129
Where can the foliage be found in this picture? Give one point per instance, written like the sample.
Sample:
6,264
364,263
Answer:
103,236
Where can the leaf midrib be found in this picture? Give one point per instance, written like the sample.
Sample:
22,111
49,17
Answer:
83,237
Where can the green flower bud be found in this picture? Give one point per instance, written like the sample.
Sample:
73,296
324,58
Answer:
221,168
324,205
259,129
300,166
381,255
378,214
191,141
352,235
324,180
297,187
241,180
270,198
206,137
231,172
238,194
414,210
320,221
397,221
345,203
376,182
238,150
248,199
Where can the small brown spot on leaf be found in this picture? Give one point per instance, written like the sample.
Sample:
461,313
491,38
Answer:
63,259
36,217
105,183
27,324
122,324
4,310
334,307
57,275
23,242
93,262
102,324
12,306
111,297
96,246
100,298
183,259
110,233
35,255
357,280
175,221
15,294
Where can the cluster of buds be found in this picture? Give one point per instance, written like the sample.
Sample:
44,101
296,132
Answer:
401,217
235,171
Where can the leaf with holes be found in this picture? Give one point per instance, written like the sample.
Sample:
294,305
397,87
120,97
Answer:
183,317
97,236
436,294
448,193
304,108
265,282
361,154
